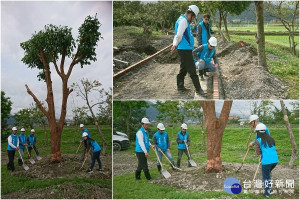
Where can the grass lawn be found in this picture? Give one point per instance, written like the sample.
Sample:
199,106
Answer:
253,28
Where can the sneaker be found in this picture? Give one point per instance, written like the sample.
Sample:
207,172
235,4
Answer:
182,88
201,92
100,170
267,196
89,171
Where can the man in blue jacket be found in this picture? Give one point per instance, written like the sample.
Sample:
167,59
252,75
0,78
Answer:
96,149
161,141
86,144
203,55
184,43
204,30
22,143
12,147
182,140
31,141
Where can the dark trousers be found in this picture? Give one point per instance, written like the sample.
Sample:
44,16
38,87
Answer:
180,152
34,147
11,157
142,165
266,173
187,65
96,156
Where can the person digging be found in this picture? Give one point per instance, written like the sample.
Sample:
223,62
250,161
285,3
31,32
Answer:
86,145
22,144
162,143
96,149
31,141
254,122
12,147
182,140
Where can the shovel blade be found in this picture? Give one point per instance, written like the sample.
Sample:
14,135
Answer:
165,173
31,161
25,167
39,158
193,163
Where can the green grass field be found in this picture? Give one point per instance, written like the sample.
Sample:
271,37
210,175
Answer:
253,28
69,144
233,150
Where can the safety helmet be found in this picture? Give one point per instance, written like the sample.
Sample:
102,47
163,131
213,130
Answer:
145,121
184,126
253,117
14,128
160,126
22,129
260,127
32,130
213,41
85,134
81,125
194,9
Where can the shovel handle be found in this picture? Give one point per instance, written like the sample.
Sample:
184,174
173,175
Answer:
246,154
165,156
27,151
78,147
154,149
85,159
257,169
20,155
187,148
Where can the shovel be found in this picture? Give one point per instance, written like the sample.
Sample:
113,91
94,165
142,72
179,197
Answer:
243,159
169,160
164,172
190,161
30,159
257,169
23,165
85,158
78,147
37,157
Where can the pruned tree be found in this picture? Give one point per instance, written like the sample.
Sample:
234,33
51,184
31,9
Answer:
260,35
84,89
45,47
215,127
291,135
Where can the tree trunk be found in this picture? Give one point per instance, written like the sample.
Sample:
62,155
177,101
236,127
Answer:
215,128
202,131
260,36
225,25
293,143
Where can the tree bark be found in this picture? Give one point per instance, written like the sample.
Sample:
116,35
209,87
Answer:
260,36
215,128
225,25
202,131
293,143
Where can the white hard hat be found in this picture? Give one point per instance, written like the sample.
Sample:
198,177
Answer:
145,120
32,130
253,117
85,134
260,127
81,125
22,129
160,126
194,9
14,128
213,41
184,126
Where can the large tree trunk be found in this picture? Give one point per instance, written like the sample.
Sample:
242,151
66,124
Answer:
215,128
293,143
225,25
202,132
260,36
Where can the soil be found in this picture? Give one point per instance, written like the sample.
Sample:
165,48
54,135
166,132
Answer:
69,168
195,178
239,74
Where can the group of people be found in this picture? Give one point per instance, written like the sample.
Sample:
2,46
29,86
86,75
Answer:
198,58
20,143
161,144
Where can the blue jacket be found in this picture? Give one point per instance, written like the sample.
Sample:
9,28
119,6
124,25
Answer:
204,33
14,142
31,139
161,140
22,139
187,41
146,141
269,154
180,138
94,145
206,54
85,130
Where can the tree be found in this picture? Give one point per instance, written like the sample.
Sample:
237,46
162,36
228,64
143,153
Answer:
127,116
24,118
215,128
292,138
44,48
79,116
105,108
84,90
5,111
39,118
264,110
260,35
288,13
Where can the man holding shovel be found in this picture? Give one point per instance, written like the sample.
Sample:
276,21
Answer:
22,144
142,147
86,145
162,143
12,147
31,141
182,140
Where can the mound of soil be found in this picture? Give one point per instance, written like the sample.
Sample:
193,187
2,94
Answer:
64,191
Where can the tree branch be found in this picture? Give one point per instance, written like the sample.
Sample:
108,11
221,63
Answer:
56,67
37,101
62,62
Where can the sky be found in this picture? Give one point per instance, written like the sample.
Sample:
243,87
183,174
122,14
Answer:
19,20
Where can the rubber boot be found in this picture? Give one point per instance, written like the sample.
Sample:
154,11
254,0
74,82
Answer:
147,174
159,168
201,72
197,86
180,85
138,175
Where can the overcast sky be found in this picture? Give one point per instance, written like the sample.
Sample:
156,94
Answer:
19,20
